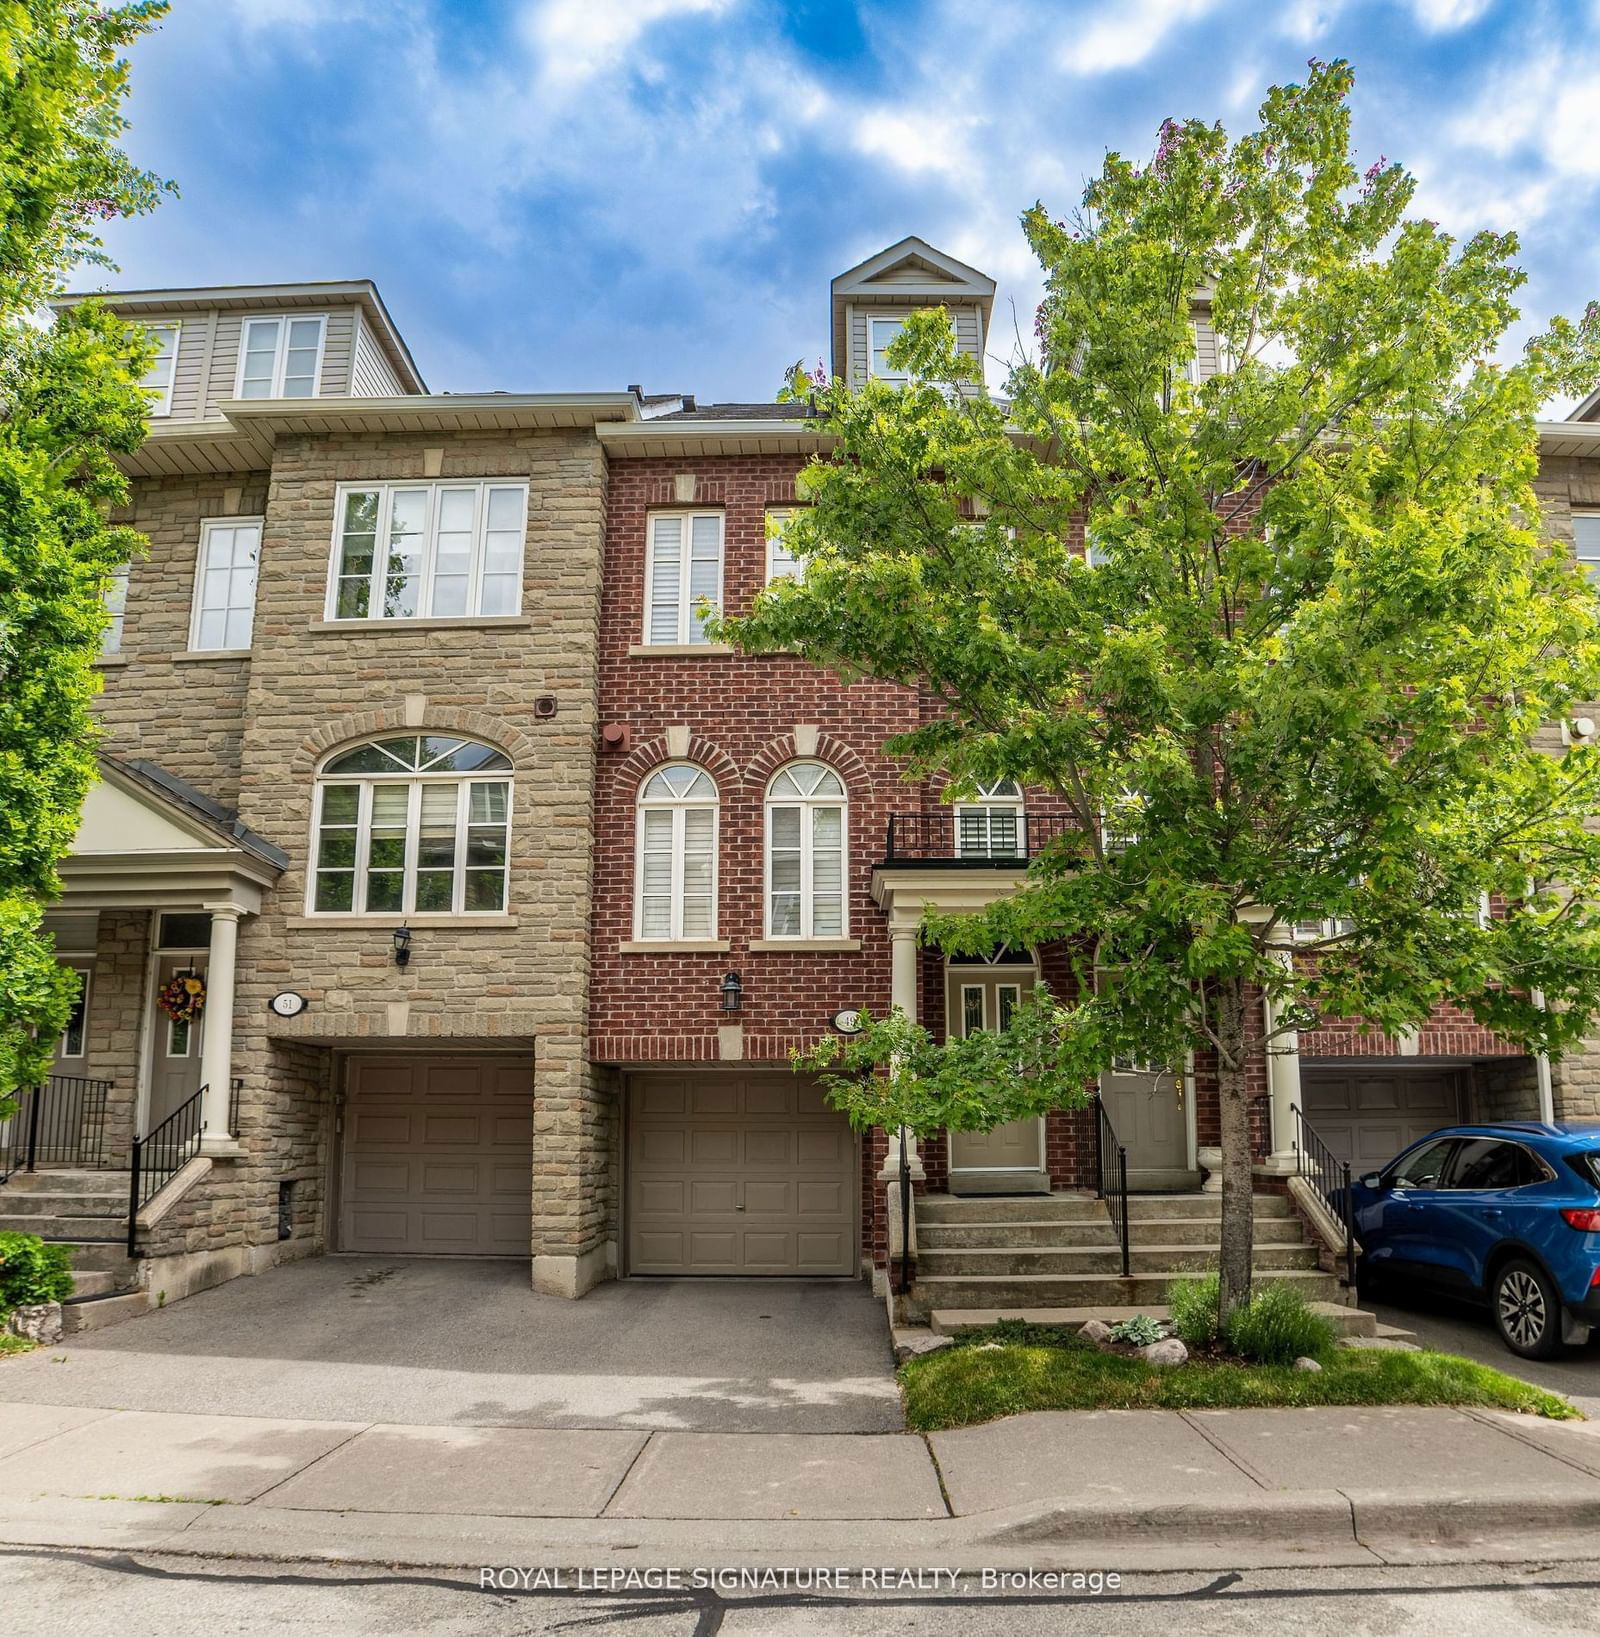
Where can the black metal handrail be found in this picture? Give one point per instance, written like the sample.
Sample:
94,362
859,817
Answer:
905,1215
62,1122
1111,1179
159,1155
1329,1176
934,838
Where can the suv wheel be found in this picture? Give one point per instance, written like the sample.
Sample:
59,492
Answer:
1527,1310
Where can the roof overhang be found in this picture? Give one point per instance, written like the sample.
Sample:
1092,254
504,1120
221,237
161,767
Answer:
1573,438
907,893
642,439
947,281
362,293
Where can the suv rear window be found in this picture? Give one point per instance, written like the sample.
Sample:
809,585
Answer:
1487,1162
1586,1162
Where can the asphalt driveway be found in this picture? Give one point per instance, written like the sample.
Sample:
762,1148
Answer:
464,1342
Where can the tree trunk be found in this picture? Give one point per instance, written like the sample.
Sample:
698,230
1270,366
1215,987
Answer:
1237,1223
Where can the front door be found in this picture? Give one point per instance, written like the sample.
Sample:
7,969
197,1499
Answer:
174,1048
1009,1159
1146,1106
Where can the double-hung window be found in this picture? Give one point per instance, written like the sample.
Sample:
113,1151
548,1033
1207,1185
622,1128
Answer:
683,569
881,333
1586,543
427,550
158,379
991,826
782,564
225,584
280,357
419,823
115,597
677,862
806,812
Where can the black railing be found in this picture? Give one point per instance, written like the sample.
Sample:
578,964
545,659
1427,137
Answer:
1330,1177
62,1122
1004,842
1111,1178
160,1155
905,1215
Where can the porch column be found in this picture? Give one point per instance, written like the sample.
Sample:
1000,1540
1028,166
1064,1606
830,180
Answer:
903,995
216,1031
1283,1085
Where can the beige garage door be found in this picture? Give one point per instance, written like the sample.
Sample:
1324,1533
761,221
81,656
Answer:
738,1173
1367,1116
437,1156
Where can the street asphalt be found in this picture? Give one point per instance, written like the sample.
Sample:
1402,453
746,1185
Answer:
468,1342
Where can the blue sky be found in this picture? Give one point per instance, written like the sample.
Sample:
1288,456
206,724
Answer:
576,194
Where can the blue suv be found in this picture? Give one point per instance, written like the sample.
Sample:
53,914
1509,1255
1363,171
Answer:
1507,1215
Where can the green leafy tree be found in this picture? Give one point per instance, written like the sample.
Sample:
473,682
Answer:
69,400
1301,679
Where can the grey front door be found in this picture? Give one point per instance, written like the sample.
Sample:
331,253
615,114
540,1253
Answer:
1146,1106
174,1048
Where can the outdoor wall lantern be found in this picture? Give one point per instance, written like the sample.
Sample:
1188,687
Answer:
402,945
732,992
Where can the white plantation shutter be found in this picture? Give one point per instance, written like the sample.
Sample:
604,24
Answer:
666,577
685,567
806,829
677,855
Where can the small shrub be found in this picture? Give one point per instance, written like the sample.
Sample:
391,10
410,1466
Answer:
32,1271
1139,1331
1193,1305
1276,1327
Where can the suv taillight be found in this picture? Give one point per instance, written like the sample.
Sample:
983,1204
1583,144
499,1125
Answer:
1583,1219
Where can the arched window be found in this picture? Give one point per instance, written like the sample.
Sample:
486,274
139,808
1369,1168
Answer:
417,823
676,873
990,826
806,812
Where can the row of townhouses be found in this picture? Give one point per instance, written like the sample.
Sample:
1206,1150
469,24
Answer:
509,895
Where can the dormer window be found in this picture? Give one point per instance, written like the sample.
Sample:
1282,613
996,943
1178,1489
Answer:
881,333
158,380
280,357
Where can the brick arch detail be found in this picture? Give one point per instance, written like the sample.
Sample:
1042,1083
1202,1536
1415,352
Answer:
642,761
842,758
362,725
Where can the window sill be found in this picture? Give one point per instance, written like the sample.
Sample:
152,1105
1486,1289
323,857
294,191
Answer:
196,656
813,946
678,650
111,662
675,946
301,923
442,622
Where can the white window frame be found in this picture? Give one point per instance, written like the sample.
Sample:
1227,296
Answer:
689,632
873,320
678,806
796,570
433,487
86,974
161,395
988,803
807,805
366,782
1590,565
280,356
115,598
198,605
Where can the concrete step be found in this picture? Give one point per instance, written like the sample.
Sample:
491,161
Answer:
1199,1230
1207,1206
932,1292
1346,1321
99,1312
106,1256
69,1229
1002,1262
1075,1207
33,1202
1020,1235
64,1181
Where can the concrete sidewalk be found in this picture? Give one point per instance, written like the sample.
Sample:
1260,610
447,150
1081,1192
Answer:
1191,1488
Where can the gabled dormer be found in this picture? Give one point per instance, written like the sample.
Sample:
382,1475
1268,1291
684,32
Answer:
873,299
331,340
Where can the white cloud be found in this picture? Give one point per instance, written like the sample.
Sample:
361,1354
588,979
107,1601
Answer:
1307,20
1126,32
913,140
1546,105
578,39
1441,16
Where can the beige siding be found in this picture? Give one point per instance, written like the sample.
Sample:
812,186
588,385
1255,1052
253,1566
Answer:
337,345
336,349
966,319
1207,357
371,375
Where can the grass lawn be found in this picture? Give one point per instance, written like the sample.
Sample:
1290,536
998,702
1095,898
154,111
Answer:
10,1344
968,1382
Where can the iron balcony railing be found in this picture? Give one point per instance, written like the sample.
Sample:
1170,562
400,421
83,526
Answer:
1111,1179
1002,841
1329,1176
62,1122
160,1155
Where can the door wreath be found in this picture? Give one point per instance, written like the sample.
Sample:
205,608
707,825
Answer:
182,997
